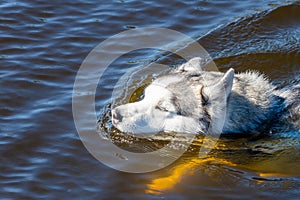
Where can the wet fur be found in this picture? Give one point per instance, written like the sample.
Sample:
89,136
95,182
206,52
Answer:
248,102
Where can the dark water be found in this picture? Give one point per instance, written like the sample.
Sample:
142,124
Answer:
43,44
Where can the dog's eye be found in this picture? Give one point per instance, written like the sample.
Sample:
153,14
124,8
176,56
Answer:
161,108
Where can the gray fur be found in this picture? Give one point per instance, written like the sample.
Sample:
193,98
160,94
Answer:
212,102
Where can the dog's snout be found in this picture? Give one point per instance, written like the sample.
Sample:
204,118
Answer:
116,116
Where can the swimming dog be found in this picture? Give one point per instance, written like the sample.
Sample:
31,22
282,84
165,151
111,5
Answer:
192,100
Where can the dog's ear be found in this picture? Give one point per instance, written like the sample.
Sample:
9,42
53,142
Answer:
223,87
227,81
217,96
193,65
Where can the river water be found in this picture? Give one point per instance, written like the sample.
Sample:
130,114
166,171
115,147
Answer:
42,46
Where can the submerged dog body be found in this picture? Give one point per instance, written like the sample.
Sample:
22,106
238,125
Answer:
191,100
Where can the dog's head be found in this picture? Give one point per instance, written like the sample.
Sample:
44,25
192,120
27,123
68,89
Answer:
173,103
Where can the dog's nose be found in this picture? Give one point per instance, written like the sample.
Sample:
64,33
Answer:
116,116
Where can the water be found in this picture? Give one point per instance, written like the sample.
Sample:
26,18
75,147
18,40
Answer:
42,46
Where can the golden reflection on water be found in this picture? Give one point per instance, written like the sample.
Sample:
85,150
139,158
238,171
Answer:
185,168
256,170
162,184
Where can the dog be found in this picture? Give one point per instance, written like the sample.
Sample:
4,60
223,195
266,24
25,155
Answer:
192,100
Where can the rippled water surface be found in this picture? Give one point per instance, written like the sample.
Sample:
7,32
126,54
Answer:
42,45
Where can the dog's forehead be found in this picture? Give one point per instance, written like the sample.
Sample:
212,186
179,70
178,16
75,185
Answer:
156,91
160,87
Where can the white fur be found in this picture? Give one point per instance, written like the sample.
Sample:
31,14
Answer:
191,100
